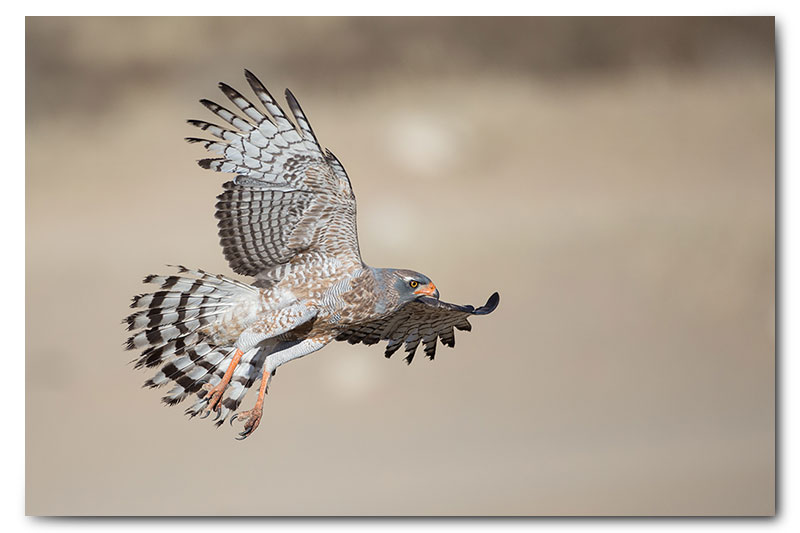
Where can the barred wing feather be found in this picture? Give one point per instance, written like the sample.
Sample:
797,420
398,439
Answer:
288,196
422,321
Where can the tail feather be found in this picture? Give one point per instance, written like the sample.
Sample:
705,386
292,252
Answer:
175,366
173,299
172,315
155,355
194,358
190,375
171,321
165,333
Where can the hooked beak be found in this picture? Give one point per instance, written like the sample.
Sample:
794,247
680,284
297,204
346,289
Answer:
428,290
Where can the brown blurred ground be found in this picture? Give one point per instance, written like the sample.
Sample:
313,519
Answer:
612,178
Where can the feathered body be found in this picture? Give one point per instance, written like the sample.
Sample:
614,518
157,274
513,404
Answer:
288,219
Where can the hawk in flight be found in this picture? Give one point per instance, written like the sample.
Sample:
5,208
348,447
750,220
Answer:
287,219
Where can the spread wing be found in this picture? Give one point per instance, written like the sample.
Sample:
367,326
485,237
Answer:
423,320
288,197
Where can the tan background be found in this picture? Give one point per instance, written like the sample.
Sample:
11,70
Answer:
613,179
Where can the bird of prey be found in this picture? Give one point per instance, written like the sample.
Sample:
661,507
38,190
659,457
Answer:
287,219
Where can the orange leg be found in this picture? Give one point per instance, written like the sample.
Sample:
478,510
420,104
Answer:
215,393
252,417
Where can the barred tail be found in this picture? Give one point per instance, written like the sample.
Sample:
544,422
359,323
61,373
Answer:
172,322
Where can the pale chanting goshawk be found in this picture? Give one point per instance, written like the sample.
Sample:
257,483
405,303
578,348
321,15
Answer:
288,219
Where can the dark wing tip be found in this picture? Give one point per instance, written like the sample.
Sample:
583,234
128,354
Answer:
294,105
491,305
207,162
253,80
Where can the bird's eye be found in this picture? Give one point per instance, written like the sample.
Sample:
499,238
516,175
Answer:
413,284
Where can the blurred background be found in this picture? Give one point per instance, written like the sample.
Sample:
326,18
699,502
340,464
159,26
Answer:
612,178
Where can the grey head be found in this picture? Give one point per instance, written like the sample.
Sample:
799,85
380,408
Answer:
410,285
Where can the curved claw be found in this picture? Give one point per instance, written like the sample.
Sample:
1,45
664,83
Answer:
244,434
205,414
219,413
234,417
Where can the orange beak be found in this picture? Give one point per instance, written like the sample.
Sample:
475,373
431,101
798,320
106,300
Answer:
428,290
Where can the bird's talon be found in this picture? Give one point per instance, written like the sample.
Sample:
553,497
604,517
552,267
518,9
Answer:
214,398
251,420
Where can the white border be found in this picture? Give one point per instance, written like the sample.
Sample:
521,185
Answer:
12,454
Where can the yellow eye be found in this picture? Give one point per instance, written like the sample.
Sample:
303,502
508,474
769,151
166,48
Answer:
413,284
